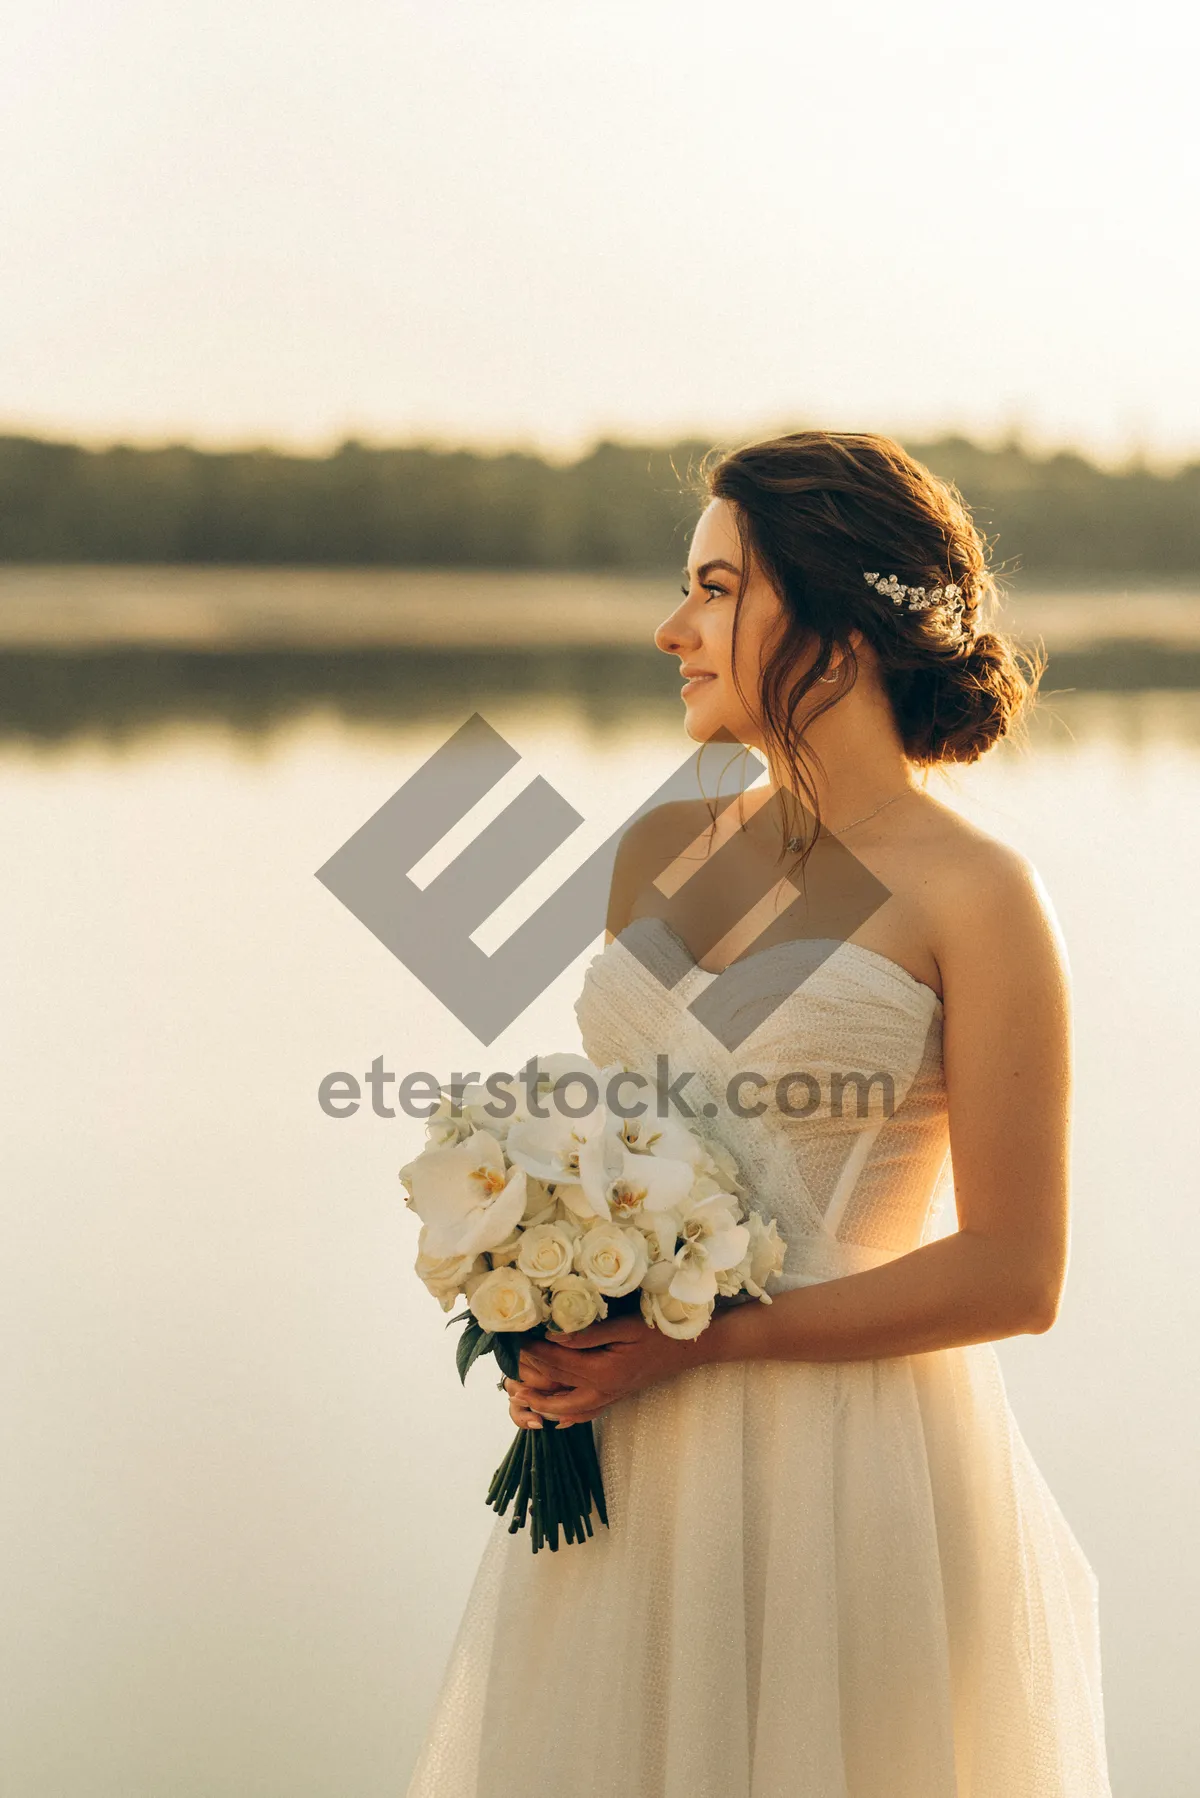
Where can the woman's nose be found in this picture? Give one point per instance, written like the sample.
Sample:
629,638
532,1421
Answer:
674,635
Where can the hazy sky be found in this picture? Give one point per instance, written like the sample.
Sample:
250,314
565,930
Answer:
526,222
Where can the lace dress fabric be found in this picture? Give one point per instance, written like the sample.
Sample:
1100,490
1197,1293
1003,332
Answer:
821,1579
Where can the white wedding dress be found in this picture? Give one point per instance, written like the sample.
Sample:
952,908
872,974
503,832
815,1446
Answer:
821,1579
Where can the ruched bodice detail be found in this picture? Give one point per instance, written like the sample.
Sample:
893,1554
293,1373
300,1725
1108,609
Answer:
842,1070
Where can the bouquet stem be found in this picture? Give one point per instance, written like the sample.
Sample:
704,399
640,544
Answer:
554,1477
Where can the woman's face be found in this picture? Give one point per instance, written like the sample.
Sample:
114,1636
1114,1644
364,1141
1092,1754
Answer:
700,632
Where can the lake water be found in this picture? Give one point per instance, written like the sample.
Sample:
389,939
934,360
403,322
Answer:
243,1498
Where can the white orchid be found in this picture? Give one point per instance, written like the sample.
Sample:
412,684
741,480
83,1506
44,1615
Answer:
474,1106
712,1240
496,1103
567,1152
541,1207
666,1136
648,1183
465,1195
534,1086
553,1068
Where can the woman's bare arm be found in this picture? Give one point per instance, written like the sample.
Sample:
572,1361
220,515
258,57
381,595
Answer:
1007,1057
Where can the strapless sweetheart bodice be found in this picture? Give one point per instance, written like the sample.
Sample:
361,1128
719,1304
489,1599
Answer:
833,1101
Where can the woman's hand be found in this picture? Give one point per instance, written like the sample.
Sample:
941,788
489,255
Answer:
522,1396
574,1377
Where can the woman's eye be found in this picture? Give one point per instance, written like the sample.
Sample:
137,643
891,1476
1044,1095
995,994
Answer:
710,589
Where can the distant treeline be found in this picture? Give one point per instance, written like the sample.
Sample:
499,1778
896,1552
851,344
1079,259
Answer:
621,506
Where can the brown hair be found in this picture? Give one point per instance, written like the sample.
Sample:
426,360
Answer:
817,510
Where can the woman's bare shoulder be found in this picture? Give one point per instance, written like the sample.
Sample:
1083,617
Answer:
984,900
648,847
956,844
657,836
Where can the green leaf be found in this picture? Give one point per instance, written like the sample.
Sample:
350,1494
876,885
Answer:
507,1350
460,1318
471,1344
465,1353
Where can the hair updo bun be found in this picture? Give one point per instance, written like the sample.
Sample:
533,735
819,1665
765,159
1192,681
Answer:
816,509
953,711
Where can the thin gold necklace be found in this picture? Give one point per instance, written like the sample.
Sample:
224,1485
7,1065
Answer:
795,844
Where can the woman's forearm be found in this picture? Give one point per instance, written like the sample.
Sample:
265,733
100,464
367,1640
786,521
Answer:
959,1289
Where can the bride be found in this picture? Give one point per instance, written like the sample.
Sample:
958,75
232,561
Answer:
833,1569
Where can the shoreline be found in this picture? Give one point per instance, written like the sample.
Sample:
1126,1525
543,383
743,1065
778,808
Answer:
236,609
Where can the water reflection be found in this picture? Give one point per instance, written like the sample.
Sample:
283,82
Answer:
123,693
1133,691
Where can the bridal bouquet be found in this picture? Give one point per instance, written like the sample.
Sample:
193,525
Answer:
547,1218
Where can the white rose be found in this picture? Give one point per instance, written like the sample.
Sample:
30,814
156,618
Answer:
614,1258
541,1205
673,1317
546,1252
406,1183
661,1230
445,1275
473,1279
507,1299
575,1303
566,1212
722,1163
445,1125
503,1254
765,1254
573,1202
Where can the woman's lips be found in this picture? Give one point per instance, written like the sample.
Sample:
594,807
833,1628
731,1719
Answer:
694,684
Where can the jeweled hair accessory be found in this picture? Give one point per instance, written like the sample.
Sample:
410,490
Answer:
917,599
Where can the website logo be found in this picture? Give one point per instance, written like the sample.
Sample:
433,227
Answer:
431,929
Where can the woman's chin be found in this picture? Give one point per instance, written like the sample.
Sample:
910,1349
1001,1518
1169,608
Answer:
697,725
703,721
